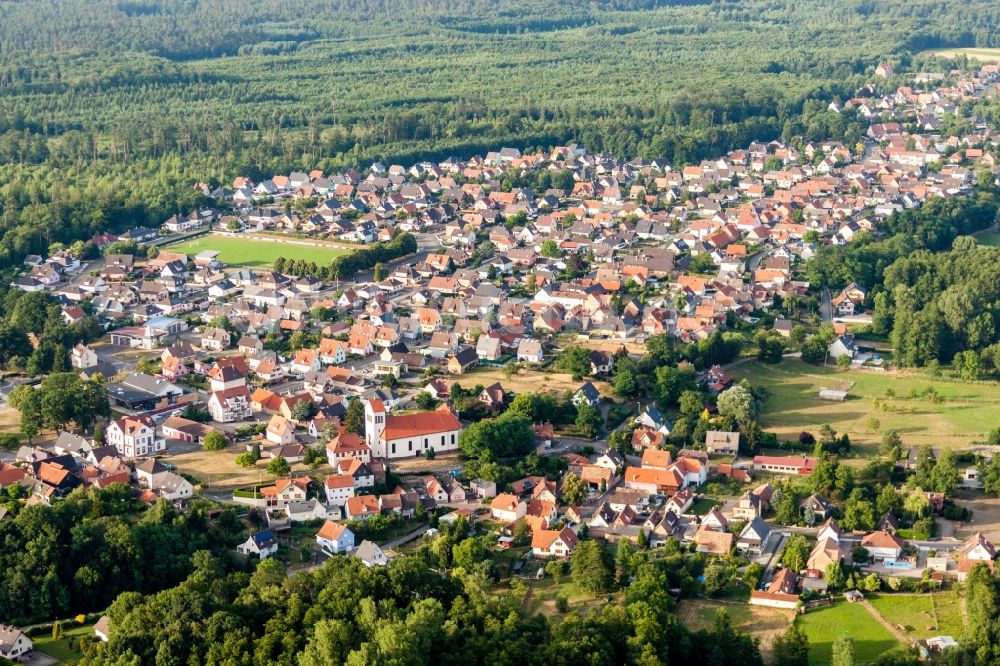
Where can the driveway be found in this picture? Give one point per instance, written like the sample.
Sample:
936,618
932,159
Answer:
37,658
826,306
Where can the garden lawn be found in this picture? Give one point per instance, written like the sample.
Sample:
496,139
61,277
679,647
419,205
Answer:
826,624
923,615
966,412
64,649
703,506
248,252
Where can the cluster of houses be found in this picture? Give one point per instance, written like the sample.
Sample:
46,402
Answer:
756,212
72,461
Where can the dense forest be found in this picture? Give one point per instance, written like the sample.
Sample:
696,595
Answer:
934,291
408,613
79,554
110,110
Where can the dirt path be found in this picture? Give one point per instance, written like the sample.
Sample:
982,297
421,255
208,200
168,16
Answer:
885,623
526,602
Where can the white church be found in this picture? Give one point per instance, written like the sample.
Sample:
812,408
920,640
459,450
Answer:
408,435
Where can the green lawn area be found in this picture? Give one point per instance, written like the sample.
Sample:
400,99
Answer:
545,591
966,412
64,649
989,238
256,253
923,615
826,624
703,506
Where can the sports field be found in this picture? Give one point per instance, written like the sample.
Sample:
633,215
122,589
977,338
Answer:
826,624
982,55
964,412
255,253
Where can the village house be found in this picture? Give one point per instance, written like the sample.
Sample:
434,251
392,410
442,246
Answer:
14,643
262,544
722,443
507,508
553,543
335,538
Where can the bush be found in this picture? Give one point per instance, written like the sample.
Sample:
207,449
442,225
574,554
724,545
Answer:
279,466
562,603
214,441
951,511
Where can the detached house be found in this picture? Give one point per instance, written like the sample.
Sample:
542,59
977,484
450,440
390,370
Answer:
722,443
976,550
529,350
850,301
134,437
587,394
263,545
14,643
755,537
553,543
335,538
883,546
507,508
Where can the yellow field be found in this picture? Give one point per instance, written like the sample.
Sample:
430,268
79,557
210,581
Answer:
218,469
980,55
10,420
527,381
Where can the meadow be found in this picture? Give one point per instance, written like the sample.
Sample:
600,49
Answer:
763,623
828,623
255,253
965,411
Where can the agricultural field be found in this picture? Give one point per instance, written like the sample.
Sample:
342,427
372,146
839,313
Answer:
965,412
826,624
923,615
976,54
256,253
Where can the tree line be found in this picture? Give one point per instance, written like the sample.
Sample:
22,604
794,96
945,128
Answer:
346,266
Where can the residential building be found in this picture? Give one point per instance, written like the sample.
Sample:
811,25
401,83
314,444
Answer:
134,437
262,544
335,538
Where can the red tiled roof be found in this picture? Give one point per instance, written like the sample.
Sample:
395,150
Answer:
330,531
399,426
